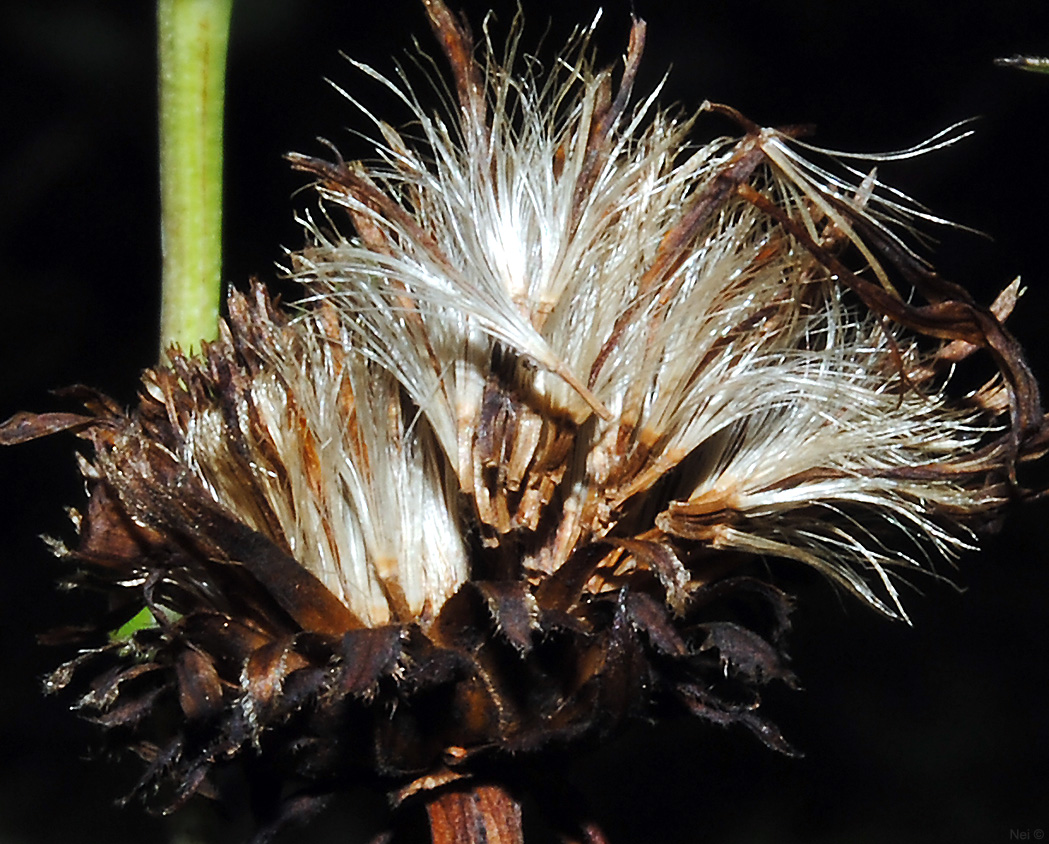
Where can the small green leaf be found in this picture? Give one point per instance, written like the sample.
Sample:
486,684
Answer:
143,619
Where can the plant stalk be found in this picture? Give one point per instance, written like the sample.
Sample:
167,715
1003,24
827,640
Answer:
193,37
475,814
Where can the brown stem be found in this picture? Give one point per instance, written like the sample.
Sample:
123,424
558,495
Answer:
475,814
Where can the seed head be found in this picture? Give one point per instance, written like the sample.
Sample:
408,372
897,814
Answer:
499,481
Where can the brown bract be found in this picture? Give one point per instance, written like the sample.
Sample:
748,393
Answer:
252,656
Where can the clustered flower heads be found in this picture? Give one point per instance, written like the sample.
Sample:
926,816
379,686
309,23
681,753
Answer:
499,481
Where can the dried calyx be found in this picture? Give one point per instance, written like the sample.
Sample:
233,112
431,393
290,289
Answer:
498,482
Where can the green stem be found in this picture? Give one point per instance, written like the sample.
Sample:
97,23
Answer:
193,35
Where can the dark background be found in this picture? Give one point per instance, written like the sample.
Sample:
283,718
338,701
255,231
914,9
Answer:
931,733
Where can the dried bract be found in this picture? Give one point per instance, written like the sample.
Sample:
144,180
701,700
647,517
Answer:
499,482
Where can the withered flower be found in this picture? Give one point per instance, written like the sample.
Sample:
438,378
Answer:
499,482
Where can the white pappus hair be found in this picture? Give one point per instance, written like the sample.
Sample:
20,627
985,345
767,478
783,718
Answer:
612,336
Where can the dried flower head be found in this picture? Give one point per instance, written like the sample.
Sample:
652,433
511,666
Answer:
499,481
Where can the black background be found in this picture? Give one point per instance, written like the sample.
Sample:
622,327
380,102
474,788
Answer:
930,733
